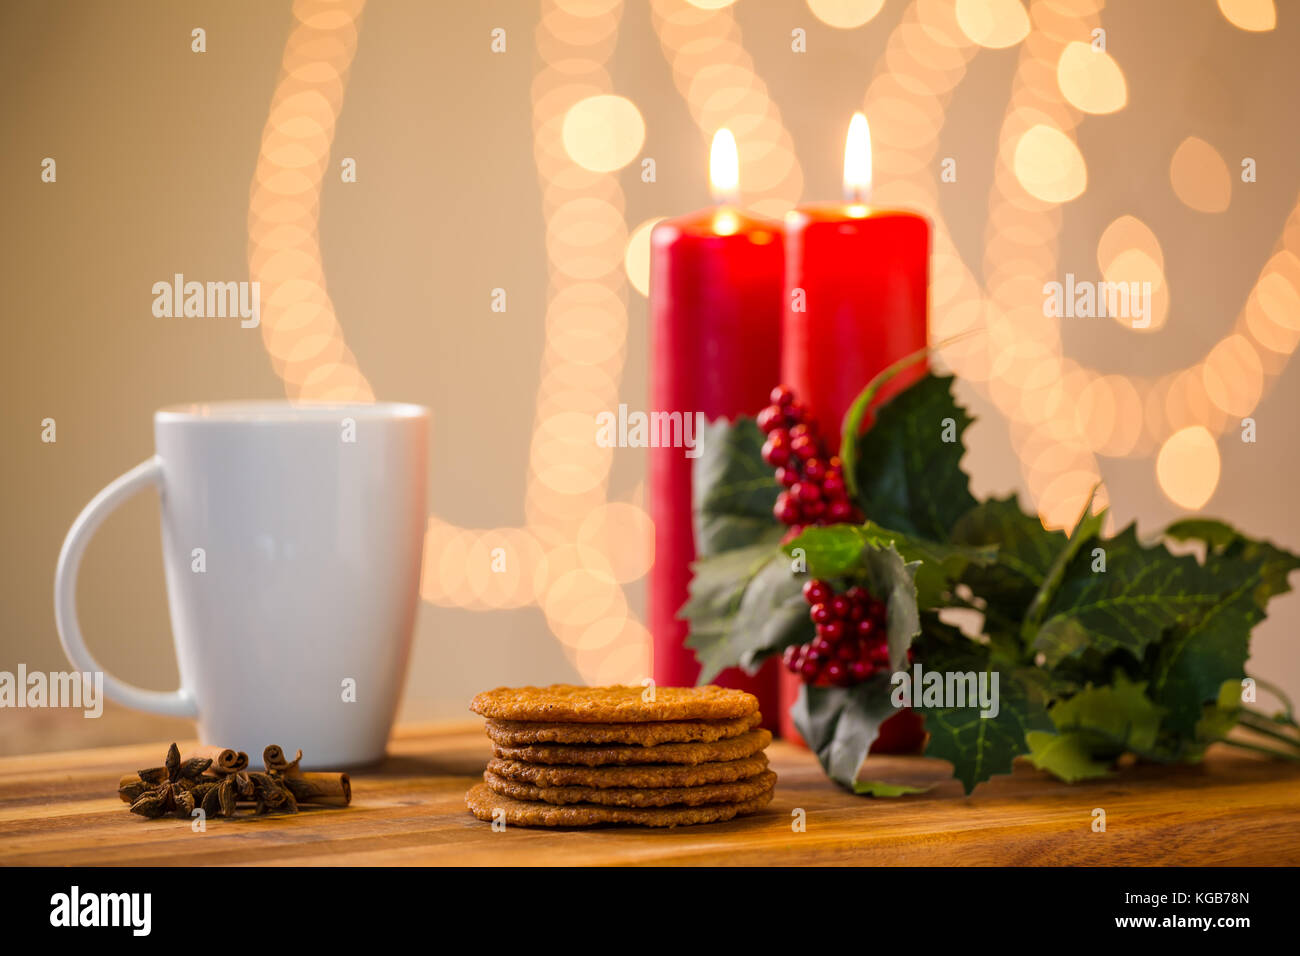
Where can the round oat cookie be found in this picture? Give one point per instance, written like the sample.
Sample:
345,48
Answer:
481,802
603,755
517,733
568,703
708,793
636,775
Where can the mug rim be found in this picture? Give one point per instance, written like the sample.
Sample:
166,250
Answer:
284,411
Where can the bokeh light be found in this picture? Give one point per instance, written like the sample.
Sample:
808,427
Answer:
1200,176
624,534
1252,15
845,14
1124,234
1134,270
1187,467
1234,375
603,133
576,549
993,23
1049,165
1090,79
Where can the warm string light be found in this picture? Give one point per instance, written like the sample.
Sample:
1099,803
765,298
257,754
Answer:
1199,176
845,14
1047,398
578,549
715,75
298,324
592,547
1251,15
1031,381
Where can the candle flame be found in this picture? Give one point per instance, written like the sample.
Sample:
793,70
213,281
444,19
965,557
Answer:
726,222
724,167
857,161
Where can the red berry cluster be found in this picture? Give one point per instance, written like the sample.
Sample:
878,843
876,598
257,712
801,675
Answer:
813,480
850,644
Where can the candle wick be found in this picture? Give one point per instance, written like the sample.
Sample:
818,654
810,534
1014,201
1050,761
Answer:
858,194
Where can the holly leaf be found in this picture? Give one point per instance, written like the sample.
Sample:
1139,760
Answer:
1087,527
907,467
1103,721
855,418
1129,602
1205,654
1066,756
842,551
836,550
841,723
1216,534
1201,653
1025,554
878,788
1219,717
977,746
939,566
719,583
1119,715
1224,541
894,582
772,615
829,551
733,489
744,604
1095,726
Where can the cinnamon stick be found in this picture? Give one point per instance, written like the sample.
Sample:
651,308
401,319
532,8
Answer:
275,761
224,760
321,789
326,789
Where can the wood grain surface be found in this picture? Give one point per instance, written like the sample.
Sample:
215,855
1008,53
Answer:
62,808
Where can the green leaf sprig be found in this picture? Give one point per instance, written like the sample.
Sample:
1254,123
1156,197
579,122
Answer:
1102,645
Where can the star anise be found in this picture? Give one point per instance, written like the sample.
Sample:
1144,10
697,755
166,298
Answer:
228,788
130,791
281,783
271,794
176,787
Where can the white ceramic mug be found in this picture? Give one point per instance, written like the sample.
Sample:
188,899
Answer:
292,536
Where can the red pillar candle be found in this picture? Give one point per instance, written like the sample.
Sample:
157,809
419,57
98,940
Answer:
715,334
856,301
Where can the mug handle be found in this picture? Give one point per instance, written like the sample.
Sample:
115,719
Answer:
177,703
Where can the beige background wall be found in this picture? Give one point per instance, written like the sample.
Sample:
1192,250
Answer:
156,148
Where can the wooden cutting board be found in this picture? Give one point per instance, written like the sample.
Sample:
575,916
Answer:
62,808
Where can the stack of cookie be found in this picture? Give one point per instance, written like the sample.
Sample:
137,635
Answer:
566,756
